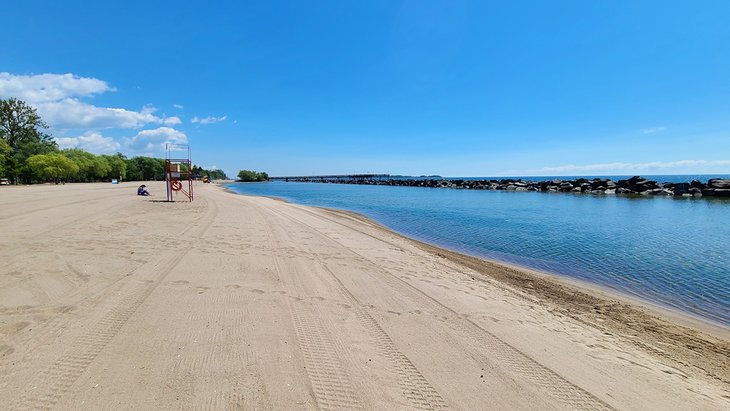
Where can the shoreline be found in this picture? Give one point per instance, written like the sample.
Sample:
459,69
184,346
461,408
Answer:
599,291
687,319
657,330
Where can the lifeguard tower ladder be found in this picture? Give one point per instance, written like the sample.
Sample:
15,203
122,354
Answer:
178,171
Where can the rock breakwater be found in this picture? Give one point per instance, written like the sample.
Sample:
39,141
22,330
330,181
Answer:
632,186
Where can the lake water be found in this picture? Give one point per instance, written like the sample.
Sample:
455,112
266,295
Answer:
674,252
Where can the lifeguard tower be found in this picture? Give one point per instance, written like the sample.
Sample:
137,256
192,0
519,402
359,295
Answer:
178,171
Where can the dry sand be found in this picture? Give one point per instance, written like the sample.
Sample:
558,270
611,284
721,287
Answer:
113,301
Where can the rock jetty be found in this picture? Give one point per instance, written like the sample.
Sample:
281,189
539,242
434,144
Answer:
632,186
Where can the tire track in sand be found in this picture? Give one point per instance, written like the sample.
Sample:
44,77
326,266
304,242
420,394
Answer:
330,383
416,389
513,360
46,388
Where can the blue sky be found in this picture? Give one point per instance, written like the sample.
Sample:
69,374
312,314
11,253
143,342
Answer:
414,87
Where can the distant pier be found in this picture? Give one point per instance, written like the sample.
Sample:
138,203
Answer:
336,178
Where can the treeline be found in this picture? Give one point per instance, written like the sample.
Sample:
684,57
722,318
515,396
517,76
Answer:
29,155
249,176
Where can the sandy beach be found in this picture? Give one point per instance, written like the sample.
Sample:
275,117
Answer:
113,301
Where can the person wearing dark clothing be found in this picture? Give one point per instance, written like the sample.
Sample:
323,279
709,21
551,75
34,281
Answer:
142,191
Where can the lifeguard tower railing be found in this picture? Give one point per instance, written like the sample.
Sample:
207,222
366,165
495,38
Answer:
178,171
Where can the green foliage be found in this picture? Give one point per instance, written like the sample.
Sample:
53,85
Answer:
5,151
53,166
21,129
145,169
248,175
214,174
217,174
117,166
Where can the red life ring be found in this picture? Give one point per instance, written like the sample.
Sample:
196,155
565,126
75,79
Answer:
175,185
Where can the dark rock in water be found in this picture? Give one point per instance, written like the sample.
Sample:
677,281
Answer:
719,183
623,190
566,186
722,192
644,185
694,190
697,184
708,192
680,188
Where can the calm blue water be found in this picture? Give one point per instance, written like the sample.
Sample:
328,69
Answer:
675,252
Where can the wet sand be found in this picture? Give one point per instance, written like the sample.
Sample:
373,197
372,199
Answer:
109,300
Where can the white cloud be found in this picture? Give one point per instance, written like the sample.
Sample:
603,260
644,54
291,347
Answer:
172,121
39,88
150,141
180,106
653,130
91,141
209,120
58,100
620,167
71,113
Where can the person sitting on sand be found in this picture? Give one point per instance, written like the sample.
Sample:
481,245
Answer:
142,191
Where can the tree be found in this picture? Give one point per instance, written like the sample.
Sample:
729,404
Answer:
53,166
4,153
102,168
118,165
84,160
214,174
217,174
22,130
248,176
145,168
